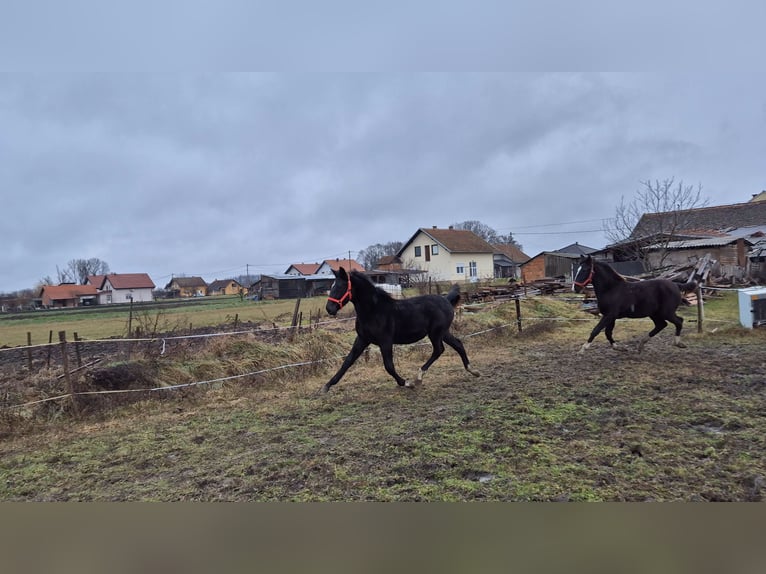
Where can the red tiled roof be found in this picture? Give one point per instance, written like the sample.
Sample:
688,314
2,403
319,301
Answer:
96,280
459,240
66,291
512,252
305,268
130,281
347,264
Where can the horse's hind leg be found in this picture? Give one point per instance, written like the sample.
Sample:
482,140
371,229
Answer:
437,352
679,323
456,344
659,325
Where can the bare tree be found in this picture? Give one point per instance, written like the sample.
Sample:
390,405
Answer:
78,270
487,233
370,256
658,214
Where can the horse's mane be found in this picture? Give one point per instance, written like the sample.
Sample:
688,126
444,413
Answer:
610,271
368,284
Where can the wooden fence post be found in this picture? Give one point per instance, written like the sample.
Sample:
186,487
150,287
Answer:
29,350
50,348
700,311
295,318
518,313
77,349
67,375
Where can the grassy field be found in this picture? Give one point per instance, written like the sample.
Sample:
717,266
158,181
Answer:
542,423
105,322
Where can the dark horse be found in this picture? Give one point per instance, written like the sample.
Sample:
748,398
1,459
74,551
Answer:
617,298
385,321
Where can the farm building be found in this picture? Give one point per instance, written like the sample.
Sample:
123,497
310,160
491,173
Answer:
733,235
285,286
507,260
560,263
68,295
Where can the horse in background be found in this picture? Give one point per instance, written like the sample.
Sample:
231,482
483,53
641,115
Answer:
385,321
618,298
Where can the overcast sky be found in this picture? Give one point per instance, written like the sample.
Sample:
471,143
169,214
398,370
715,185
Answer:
207,174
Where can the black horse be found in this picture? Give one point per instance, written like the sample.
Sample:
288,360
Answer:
385,321
617,298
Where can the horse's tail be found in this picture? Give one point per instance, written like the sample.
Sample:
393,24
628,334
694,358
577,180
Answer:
454,295
687,287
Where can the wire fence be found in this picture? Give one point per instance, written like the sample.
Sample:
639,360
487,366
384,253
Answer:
63,353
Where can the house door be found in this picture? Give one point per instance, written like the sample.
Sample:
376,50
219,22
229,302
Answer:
428,253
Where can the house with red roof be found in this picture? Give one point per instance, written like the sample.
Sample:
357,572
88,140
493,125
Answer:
303,269
329,265
449,254
67,295
122,287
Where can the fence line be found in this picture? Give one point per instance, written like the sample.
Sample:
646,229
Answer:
267,370
173,337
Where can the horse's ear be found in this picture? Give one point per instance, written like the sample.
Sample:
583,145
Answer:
341,274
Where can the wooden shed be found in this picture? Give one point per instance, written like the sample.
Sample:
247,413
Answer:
549,264
283,286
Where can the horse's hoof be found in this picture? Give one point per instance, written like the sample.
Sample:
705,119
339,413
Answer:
323,390
680,345
409,385
474,373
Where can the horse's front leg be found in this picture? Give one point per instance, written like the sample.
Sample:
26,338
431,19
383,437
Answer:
603,322
356,350
387,351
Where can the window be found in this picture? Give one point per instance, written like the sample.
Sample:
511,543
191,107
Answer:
460,269
418,250
434,249
472,270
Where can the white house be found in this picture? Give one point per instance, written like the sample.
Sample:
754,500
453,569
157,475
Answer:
449,254
329,265
123,287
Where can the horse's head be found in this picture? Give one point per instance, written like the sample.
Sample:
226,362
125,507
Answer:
584,274
340,292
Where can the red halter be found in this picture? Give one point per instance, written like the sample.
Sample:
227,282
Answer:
588,279
342,301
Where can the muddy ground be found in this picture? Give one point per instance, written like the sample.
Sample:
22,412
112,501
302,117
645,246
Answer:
542,423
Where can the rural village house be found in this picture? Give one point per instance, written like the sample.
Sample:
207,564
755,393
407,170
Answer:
449,254
302,269
186,287
224,287
67,295
122,287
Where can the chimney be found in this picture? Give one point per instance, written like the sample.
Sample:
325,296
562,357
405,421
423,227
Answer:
451,227
434,227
